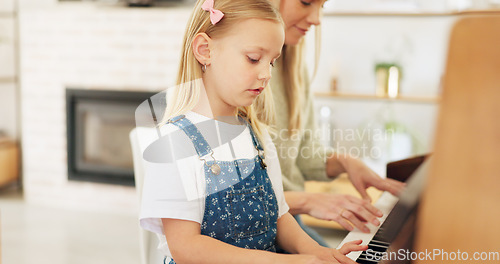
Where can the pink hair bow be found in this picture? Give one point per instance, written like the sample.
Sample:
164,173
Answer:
215,15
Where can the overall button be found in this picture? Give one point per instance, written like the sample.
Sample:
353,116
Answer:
215,168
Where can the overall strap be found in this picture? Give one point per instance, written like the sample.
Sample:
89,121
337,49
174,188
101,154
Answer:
257,145
200,144
255,140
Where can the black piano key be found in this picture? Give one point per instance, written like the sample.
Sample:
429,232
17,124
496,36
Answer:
380,242
377,244
380,237
377,248
373,257
365,261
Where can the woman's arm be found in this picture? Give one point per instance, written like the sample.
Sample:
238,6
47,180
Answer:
360,175
340,208
297,201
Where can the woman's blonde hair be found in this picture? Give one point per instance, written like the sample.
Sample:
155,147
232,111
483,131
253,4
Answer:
293,70
186,94
293,81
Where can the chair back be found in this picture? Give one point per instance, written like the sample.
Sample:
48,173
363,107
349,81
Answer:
148,241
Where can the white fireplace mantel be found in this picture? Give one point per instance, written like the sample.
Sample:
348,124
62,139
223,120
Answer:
83,45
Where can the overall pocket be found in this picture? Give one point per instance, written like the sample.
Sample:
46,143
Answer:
249,212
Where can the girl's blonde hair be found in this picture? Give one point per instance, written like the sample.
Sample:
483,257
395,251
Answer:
186,94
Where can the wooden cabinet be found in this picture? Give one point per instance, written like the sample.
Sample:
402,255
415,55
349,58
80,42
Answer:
9,162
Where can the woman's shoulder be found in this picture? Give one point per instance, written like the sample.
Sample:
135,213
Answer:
267,138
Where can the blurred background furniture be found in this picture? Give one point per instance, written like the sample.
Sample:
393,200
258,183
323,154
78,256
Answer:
9,161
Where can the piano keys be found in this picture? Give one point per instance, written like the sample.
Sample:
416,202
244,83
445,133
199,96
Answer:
385,204
397,211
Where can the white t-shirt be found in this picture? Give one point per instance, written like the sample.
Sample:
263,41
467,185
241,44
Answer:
174,181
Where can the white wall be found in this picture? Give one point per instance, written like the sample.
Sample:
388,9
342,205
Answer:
95,46
8,69
86,46
352,45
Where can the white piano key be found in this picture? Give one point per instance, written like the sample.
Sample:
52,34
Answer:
385,203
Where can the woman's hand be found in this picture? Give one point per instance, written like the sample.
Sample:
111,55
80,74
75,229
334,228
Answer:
342,209
360,175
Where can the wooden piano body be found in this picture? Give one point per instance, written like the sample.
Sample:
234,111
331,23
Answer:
459,209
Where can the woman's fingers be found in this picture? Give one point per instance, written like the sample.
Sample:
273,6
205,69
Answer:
355,221
393,186
359,212
364,209
340,220
344,209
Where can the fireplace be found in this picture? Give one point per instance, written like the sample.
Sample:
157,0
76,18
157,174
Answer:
98,127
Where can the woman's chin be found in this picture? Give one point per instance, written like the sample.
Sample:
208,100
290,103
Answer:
292,42
293,39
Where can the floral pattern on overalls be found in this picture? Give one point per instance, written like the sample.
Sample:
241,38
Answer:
240,205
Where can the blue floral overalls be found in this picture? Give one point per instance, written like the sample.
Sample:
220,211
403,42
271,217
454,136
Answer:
240,205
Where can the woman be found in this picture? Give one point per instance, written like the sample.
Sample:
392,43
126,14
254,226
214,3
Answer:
301,155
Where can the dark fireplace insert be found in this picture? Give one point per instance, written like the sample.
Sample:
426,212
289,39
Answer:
98,127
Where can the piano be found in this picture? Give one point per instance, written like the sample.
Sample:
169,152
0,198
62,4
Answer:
459,209
398,214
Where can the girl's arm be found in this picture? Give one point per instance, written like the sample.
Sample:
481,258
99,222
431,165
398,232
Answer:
187,245
293,239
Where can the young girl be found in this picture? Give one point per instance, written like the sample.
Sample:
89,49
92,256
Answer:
221,199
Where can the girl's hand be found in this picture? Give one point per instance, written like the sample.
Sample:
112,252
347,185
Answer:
302,259
352,246
340,254
331,255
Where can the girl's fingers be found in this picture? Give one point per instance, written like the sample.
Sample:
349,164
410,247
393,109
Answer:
342,258
352,246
